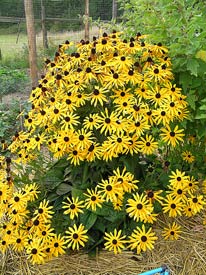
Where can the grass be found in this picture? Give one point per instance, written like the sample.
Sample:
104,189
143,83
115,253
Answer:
12,44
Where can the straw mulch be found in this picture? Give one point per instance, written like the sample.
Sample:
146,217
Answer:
186,256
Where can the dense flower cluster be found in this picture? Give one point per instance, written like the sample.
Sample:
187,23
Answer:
30,228
108,97
97,102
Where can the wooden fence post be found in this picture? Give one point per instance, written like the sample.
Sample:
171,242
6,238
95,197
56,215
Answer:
114,9
86,34
28,5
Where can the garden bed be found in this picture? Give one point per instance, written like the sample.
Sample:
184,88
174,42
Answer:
183,257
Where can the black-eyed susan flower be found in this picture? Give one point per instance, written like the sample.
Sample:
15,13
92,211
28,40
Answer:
147,145
107,122
172,232
4,245
76,237
84,139
172,137
154,195
57,245
109,190
18,240
125,179
46,232
91,122
76,155
139,207
142,239
179,192
188,156
188,210
73,207
162,116
192,185
115,241
94,199
69,121
35,252
172,205
196,203
138,126
178,179
44,212
157,96
98,96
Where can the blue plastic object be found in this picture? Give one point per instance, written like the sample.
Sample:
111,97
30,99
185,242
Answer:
163,270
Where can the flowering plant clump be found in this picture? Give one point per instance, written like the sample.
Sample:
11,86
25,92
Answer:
107,113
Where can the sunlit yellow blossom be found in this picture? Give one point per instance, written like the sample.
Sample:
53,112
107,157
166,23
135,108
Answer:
172,137
73,207
114,241
142,239
76,237
139,207
188,156
173,206
172,232
93,200
147,145
196,203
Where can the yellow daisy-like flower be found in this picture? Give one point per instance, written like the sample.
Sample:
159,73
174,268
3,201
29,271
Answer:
35,251
172,137
139,207
147,145
141,240
73,207
172,232
196,203
76,237
108,122
98,95
44,211
57,245
110,190
172,205
178,179
114,241
188,156
94,199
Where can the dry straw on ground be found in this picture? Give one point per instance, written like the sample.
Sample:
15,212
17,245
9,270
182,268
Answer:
187,256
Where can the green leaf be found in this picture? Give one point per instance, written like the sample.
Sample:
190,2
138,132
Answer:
200,116
191,99
185,80
88,219
203,107
77,193
192,66
63,188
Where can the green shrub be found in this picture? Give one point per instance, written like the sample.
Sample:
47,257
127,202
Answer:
10,123
11,80
181,26
110,118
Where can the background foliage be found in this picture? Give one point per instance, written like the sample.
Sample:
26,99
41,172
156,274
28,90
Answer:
179,24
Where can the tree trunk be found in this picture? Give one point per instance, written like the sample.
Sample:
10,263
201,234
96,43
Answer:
114,9
28,5
43,26
86,34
